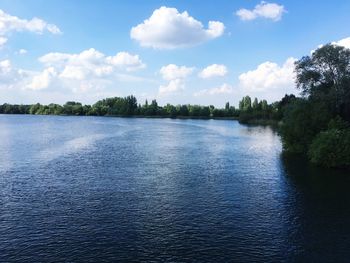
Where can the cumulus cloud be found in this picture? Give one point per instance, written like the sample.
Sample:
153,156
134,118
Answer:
124,59
43,80
89,74
345,42
7,72
214,70
176,76
25,86
270,79
22,51
11,77
3,41
173,86
264,10
9,23
12,23
172,71
90,63
169,29
223,89
89,70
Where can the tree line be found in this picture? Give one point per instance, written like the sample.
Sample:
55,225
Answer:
260,112
118,106
249,111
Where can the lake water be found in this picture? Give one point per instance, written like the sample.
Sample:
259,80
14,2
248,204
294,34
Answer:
96,189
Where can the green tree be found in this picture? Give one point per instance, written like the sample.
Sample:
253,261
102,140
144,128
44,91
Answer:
205,111
194,110
331,148
34,108
255,104
170,110
182,110
227,106
245,104
303,120
325,76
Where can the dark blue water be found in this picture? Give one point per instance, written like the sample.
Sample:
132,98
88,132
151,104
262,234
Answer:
86,189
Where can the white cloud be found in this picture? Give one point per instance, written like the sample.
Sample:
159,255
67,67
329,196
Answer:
223,89
22,51
345,42
5,66
245,14
12,23
169,29
176,76
269,80
214,70
86,76
6,72
88,63
11,77
3,41
89,71
9,23
43,80
264,9
53,29
173,86
91,63
173,71
131,62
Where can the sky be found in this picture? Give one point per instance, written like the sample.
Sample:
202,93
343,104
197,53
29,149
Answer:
179,52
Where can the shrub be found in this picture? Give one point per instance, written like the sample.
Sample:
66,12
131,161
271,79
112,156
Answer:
331,148
302,121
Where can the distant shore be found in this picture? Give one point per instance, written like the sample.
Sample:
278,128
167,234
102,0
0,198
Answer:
138,116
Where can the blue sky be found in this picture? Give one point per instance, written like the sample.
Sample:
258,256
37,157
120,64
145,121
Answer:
88,50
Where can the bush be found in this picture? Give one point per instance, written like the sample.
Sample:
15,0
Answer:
302,121
331,148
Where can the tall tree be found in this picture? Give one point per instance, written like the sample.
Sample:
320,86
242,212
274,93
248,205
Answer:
325,76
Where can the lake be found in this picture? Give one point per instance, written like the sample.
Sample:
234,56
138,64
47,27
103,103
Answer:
98,189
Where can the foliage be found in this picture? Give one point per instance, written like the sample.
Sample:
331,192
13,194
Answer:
325,76
331,148
14,109
316,124
301,122
118,106
261,111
